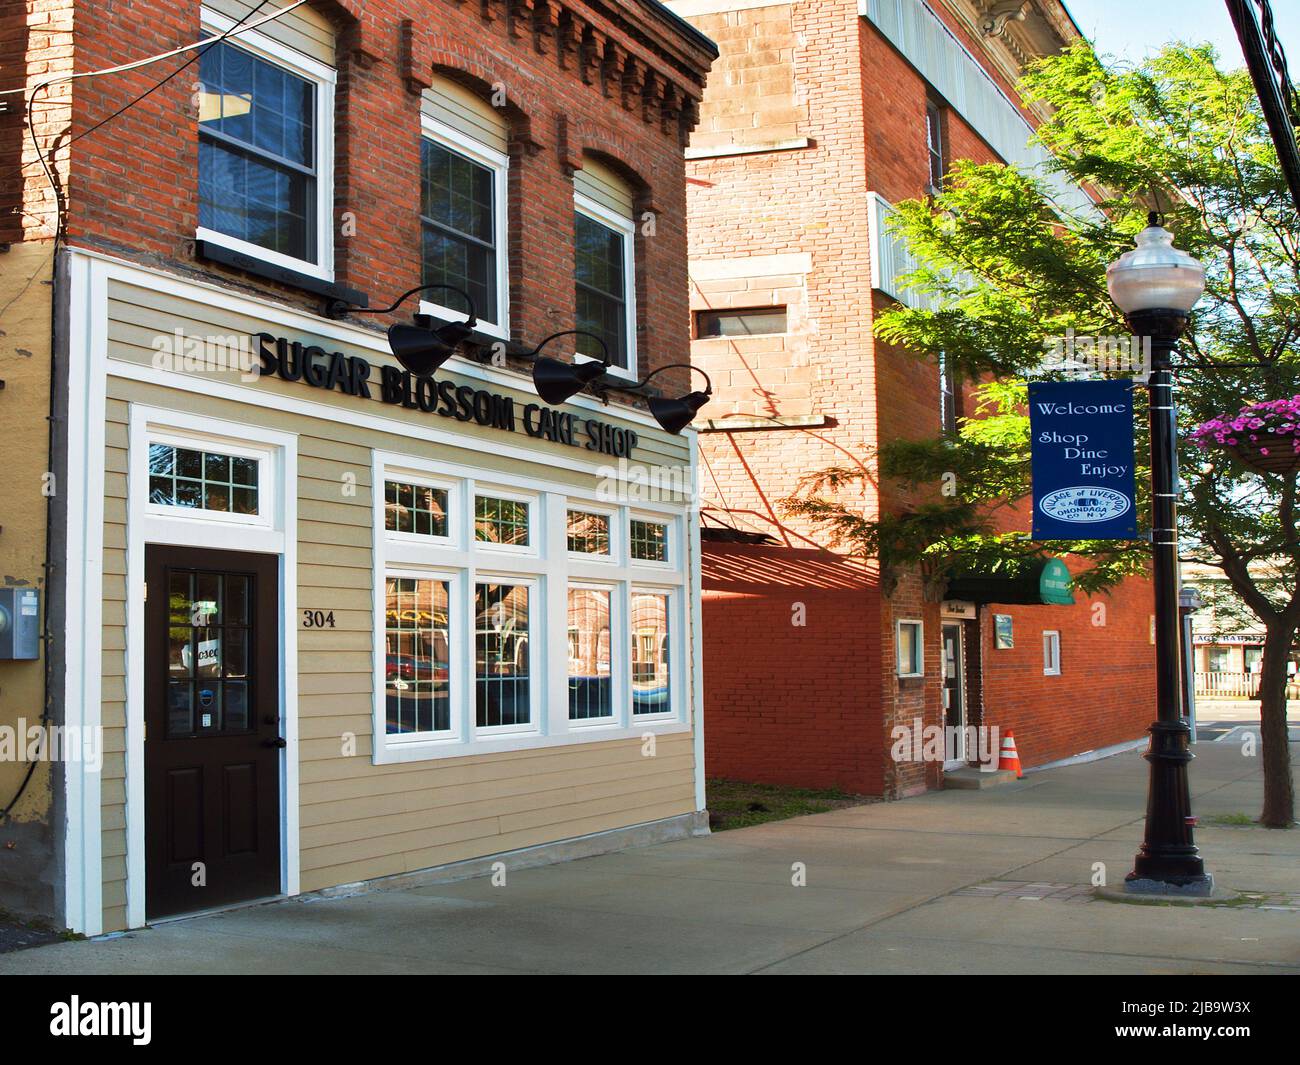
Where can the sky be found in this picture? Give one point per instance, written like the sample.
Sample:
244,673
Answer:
1130,29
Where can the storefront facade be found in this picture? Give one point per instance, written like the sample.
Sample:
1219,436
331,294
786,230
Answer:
417,673
335,621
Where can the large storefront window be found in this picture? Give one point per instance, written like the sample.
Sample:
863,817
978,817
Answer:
501,675
416,667
520,615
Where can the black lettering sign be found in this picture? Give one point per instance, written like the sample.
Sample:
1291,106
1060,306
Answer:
351,375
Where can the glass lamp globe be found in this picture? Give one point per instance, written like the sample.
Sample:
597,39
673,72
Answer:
1155,276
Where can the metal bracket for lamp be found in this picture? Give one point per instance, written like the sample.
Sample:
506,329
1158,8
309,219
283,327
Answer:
674,414
423,347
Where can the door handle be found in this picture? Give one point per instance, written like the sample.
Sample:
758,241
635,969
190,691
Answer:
279,742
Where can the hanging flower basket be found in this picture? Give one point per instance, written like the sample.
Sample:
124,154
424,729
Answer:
1264,436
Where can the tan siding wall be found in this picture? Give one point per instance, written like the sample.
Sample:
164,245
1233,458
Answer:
604,186
302,29
457,107
359,820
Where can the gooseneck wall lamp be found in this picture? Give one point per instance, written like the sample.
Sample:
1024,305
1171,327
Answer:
558,381
1156,285
675,414
423,347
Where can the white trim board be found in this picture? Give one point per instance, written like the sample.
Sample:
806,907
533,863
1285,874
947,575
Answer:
146,527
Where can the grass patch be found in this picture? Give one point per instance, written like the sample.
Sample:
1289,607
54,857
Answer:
735,804
1230,819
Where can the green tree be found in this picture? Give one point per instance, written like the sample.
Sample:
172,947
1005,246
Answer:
1010,269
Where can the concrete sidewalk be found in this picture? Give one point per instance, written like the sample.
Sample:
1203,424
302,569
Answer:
951,882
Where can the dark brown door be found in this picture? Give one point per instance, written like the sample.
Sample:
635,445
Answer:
212,728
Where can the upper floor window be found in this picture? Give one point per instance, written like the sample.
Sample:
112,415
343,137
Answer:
265,151
753,321
934,144
463,219
604,262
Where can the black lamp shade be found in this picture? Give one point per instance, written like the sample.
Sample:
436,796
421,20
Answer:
676,414
420,350
557,381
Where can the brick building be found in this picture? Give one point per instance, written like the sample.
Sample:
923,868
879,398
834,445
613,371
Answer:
818,117
314,617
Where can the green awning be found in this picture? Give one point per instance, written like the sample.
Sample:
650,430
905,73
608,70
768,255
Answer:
1039,583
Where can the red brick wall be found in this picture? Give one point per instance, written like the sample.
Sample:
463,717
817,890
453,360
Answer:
577,78
1106,691
786,703
817,70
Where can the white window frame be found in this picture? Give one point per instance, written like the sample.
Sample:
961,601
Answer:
899,664
627,227
536,667
620,690
267,486
674,550
423,481
676,648
616,536
531,500
550,569
494,321
325,78
456,679
1051,653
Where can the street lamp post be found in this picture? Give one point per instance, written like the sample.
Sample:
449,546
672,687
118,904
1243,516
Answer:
1156,285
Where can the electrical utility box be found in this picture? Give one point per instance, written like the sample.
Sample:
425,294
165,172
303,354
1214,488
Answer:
20,623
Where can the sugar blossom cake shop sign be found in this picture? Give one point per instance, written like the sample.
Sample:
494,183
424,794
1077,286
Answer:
353,375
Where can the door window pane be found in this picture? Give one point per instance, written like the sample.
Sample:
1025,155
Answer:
589,672
417,658
501,671
650,657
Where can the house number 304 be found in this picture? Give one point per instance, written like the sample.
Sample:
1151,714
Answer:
317,619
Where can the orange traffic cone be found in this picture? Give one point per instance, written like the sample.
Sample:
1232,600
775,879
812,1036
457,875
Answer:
1010,758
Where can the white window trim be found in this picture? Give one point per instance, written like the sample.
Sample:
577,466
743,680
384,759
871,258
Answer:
676,648
620,680
551,570
538,655
422,480
674,547
267,486
617,536
627,226
898,646
325,79
455,655
531,500
278,536
1051,653
494,321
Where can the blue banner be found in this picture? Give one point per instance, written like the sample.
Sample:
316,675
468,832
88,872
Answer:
1081,435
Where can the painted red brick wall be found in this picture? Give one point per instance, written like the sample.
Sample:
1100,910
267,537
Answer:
789,703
